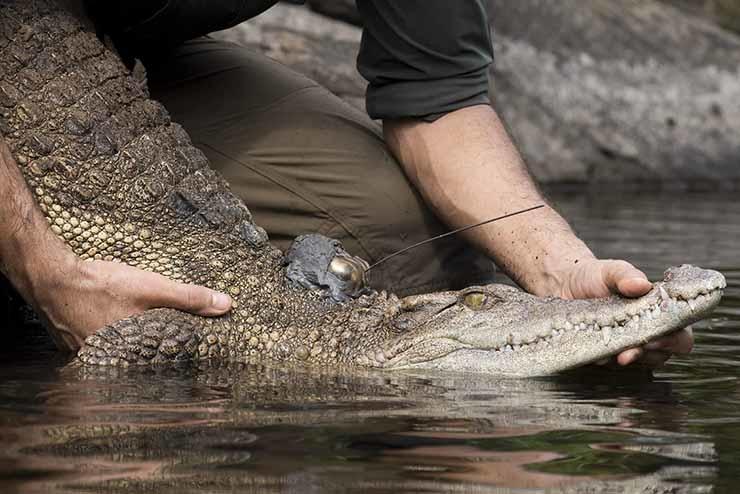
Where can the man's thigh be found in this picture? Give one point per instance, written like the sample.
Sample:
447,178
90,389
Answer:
304,161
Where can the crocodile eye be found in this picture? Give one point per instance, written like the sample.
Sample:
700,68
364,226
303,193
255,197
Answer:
474,300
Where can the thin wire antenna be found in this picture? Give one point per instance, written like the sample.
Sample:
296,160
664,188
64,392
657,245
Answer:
453,232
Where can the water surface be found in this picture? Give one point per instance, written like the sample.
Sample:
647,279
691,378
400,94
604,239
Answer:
251,429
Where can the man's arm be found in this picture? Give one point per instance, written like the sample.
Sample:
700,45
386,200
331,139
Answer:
74,297
468,170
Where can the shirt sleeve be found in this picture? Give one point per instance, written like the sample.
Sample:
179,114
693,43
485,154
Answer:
424,58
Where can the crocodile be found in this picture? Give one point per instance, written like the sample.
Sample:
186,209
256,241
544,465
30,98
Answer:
119,181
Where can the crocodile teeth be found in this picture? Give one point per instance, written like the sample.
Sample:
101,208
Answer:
608,329
606,334
664,294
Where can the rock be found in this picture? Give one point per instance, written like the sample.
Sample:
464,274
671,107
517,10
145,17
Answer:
618,91
603,91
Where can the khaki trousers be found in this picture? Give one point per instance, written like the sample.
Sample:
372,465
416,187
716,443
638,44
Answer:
304,161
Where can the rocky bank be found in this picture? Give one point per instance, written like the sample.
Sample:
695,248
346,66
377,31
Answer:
593,92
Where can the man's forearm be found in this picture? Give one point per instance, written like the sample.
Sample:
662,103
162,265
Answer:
468,170
30,254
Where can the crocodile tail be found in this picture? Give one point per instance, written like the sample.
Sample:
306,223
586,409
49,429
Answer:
115,177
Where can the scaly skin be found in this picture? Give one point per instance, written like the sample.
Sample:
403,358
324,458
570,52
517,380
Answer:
118,181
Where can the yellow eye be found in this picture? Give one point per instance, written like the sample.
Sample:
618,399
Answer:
475,300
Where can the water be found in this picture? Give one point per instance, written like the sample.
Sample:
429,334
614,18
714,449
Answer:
260,430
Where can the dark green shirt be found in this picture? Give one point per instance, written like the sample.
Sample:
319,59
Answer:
422,58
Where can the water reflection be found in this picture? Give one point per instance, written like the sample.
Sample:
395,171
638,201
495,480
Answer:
251,429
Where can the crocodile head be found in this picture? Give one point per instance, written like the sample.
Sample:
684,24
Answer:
501,330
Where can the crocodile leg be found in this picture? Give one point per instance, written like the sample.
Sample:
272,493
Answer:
156,336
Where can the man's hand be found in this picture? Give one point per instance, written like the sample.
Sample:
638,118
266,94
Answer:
594,278
468,170
76,298
79,297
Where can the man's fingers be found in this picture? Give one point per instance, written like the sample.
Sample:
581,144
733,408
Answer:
657,352
630,356
679,342
200,300
623,278
189,298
